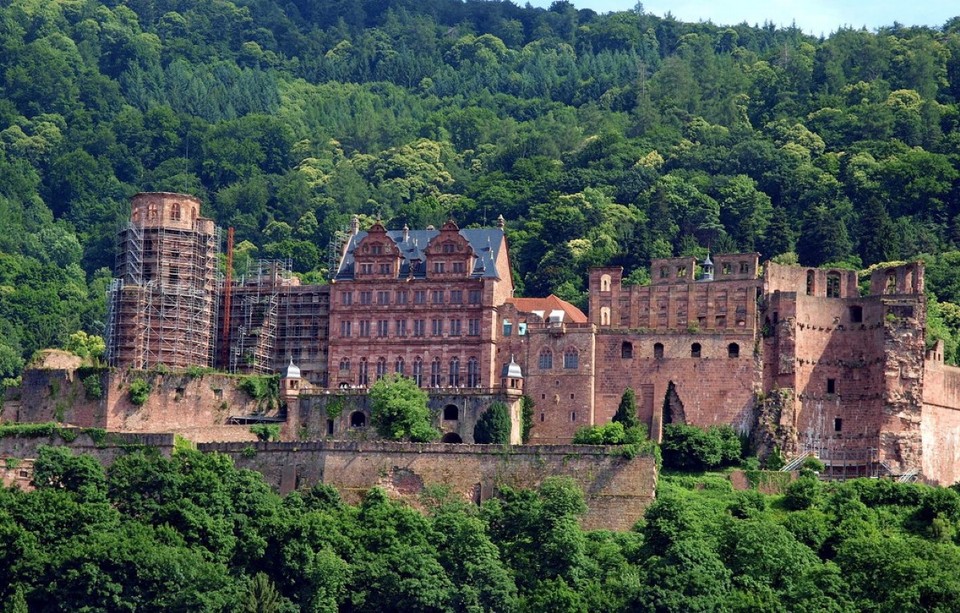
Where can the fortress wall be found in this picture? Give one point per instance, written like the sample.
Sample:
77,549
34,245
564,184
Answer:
940,422
617,490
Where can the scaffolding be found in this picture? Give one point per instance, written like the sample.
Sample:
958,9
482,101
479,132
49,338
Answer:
161,307
255,312
335,251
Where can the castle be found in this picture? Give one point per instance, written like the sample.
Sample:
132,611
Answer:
798,357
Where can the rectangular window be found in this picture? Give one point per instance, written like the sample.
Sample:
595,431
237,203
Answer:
459,267
364,330
384,269
366,269
419,327
376,249
366,297
473,327
474,296
436,327
831,386
345,328
837,424
456,296
437,296
402,296
744,268
420,296
455,329
346,298
383,297
507,327
401,327
383,328
439,267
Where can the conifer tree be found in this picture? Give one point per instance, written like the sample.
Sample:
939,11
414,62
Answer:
627,411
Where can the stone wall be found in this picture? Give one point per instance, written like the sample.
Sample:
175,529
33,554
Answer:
617,490
940,420
17,453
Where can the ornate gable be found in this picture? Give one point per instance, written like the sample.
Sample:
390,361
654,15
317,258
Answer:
449,254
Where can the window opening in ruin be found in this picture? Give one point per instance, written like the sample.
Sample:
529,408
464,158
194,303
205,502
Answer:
218,393
673,412
175,211
837,424
329,427
833,285
721,321
663,272
571,358
604,316
810,277
358,420
573,416
695,350
626,349
681,272
744,267
733,350
605,283
546,360
451,413
542,416
856,314
776,318
726,269
451,438
831,386
152,211
891,287
572,396
658,351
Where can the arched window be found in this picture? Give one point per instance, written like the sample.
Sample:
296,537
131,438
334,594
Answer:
193,213
546,360
400,367
454,375
695,350
152,211
435,379
473,373
605,283
344,366
418,371
810,284
733,350
833,285
381,368
626,349
363,377
175,211
451,413
358,420
658,351
604,316
571,358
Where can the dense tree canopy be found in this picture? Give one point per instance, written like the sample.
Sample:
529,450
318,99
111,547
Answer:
602,138
195,533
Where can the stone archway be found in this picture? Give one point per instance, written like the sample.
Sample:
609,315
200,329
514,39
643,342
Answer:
358,420
451,437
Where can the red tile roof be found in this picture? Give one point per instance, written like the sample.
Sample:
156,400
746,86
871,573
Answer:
550,303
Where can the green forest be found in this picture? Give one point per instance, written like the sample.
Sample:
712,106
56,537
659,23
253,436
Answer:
193,533
603,139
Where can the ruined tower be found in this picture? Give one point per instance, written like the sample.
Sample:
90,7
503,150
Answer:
162,303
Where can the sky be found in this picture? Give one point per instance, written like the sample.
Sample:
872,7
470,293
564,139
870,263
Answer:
814,17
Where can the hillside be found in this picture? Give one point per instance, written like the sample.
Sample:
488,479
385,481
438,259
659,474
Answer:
602,139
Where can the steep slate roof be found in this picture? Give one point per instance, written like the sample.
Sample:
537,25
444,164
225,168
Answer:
485,242
547,305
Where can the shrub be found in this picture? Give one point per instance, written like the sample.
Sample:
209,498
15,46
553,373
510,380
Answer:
802,494
692,448
92,388
266,432
139,392
493,427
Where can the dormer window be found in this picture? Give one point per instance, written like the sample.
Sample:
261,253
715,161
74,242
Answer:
376,249
448,248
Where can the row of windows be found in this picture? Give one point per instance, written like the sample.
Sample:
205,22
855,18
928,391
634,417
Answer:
153,212
438,296
386,268
456,374
571,359
452,327
696,350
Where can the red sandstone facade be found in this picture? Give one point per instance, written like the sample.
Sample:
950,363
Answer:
796,356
